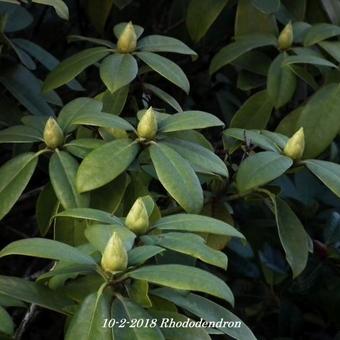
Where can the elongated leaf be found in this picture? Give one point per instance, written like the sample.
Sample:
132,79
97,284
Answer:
254,113
6,322
99,234
20,134
75,108
186,278
281,82
190,244
90,214
320,32
304,59
118,70
201,15
207,310
166,68
49,249
114,102
103,120
189,120
161,43
267,6
293,236
319,133
87,323
97,41
32,292
332,48
139,255
327,172
164,96
62,170
196,224
14,176
177,177
260,169
83,146
69,68
123,308
200,158
105,163
59,6
241,46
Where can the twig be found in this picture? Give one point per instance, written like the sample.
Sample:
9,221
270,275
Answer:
29,316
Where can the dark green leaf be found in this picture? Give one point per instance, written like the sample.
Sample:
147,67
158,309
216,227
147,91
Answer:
320,32
20,134
139,255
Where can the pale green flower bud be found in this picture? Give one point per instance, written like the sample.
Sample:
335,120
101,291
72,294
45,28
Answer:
295,145
115,257
53,134
286,37
147,126
137,219
127,41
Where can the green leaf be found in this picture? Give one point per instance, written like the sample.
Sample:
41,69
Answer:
163,96
200,158
327,172
241,46
254,113
320,32
69,68
293,236
332,48
6,322
118,70
105,163
189,244
139,293
177,177
260,169
201,15
103,120
319,133
59,6
307,59
207,310
75,108
196,224
181,332
267,6
303,74
87,323
99,234
32,292
252,137
189,120
20,134
166,68
139,255
62,170
99,15
47,205
14,176
281,82
161,43
83,146
123,308
48,249
184,277
91,215
102,42
114,102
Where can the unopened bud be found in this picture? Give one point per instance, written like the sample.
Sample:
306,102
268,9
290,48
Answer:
286,37
137,219
147,126
295,145
53,134
127,40
115,256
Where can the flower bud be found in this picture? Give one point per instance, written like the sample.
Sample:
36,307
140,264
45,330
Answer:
295,145
286,37
115,256
137,219
53,134
147,126
127,40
